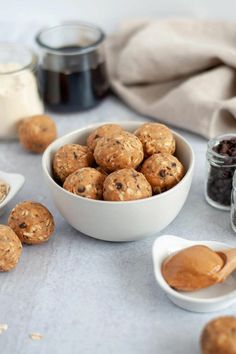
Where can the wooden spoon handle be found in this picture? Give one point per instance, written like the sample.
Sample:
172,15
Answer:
229,257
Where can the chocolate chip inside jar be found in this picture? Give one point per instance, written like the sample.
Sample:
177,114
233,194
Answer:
222,164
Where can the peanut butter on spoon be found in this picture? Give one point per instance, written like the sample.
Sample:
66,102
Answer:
193,268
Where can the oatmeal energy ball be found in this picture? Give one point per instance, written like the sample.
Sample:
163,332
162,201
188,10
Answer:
121,151
37,132
163,171
32,222
10,248
156,138
70,158
218,336
86,182
106,130
126,184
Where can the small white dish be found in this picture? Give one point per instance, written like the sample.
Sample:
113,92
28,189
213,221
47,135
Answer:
119,221
214,298
15,182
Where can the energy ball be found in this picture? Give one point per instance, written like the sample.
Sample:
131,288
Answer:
10,248
163,171
121,151
86,182
37,132
218,336
106,130
156,138
126,184
32,222
70,158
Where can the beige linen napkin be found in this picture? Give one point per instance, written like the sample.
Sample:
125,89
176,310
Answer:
179,71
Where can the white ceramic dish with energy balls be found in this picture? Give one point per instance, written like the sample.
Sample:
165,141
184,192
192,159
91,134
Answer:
119,221
214,298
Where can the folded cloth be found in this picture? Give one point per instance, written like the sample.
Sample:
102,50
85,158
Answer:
179,71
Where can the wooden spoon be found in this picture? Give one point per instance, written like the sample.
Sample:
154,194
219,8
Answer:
229,258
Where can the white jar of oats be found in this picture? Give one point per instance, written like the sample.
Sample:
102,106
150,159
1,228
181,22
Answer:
19,90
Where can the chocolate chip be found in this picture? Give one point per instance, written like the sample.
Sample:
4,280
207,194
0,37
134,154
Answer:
226,147
118,142
119,185
75,156
81,189
22,225
96,136
162,173
173,164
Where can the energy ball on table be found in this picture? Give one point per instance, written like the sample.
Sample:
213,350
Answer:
126,184
156,138
107,130
121,151
70,158
37,132
218,336
32,222
10,248
86,182
163,171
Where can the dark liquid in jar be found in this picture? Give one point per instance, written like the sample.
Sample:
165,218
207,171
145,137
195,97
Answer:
73,91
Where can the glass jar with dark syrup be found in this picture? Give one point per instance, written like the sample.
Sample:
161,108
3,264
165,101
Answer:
72,69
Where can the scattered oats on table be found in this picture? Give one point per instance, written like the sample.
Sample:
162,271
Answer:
3,327
35,336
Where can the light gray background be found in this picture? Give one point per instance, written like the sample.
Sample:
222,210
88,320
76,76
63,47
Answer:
88,296
108,13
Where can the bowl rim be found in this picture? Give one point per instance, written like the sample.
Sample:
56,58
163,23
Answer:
45,157
181,295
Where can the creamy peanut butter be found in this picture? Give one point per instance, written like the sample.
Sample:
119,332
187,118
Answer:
192,268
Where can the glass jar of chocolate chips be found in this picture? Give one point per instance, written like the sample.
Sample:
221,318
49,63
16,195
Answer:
221,164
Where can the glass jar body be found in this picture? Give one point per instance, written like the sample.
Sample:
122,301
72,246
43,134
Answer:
233,205
72,68
19,89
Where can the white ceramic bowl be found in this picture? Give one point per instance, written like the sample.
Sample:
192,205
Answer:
214,298
119,221
15,182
